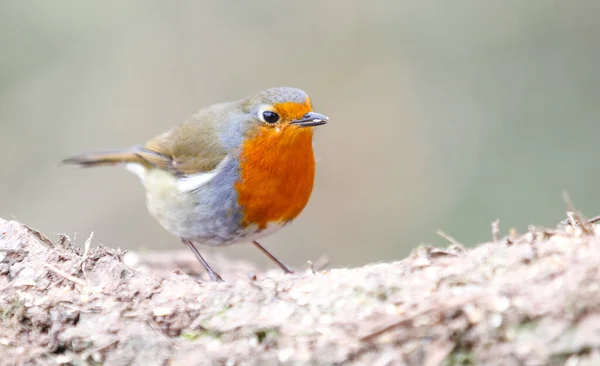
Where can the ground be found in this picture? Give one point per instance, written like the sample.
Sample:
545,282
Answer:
530,299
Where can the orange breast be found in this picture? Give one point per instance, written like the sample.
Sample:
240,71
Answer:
277,172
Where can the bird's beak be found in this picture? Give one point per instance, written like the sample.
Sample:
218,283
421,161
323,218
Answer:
310,119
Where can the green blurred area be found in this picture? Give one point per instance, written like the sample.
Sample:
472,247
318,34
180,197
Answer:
443,115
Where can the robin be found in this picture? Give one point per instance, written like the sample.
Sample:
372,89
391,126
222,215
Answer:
233,172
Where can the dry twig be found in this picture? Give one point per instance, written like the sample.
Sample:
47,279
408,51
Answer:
449,238
39,236
65,275
450,304
496,230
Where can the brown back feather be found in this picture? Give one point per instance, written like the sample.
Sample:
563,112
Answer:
189,148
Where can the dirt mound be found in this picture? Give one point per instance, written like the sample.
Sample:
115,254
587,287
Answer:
532,299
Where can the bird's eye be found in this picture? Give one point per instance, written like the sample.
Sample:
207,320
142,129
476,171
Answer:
270,117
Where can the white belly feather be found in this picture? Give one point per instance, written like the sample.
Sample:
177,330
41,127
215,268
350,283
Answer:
190,206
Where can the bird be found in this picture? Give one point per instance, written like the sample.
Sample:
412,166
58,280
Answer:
233,172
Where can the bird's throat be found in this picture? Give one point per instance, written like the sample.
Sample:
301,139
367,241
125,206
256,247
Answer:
277,170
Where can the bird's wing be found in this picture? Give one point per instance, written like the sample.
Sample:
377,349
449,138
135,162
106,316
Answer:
190,148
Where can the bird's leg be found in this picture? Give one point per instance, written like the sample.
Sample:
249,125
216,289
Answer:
272,257
214,276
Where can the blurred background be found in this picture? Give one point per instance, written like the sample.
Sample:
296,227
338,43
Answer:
443,115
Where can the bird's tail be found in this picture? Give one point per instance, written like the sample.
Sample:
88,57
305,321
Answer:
108,157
